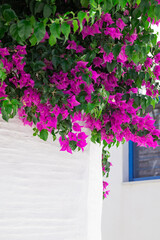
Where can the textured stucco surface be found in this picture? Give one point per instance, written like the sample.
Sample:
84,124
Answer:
132,210
46,194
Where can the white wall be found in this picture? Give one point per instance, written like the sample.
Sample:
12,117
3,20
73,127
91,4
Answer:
46,194
132,210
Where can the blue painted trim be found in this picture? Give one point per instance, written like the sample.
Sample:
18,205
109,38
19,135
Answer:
146,178
130,161
131,166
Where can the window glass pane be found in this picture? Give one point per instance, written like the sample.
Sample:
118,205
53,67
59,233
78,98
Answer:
146,161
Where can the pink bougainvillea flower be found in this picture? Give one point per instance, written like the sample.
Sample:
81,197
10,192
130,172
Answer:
158,1
158,43
113,32
134,90
82,144
80,49
3,90
95,29
138,67
82,136
122,57
97,61
56,110
149,92
107,18
73,45
126,13
72,136
157,58
105,184
65,145
72,102
131,38
4,52
7,65
108,58
120,24
87,30
21,49
25,80
148,62
81,64
76,127
48,64
107,137
106,193
64,113
94,74
157,71
97,124
77,117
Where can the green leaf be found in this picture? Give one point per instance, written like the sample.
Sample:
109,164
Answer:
108,4
81,16
73,145
55,30
44,134
75,25
144,6
4,114
129,51
38,65
3,29
52,40
136,13
39,31
2,75
5,6
151,13
157,11
65,28
135,58
38,7
111,66
47,11
106,48
24,29
86,78
123,3
9,15
8,108
65,66
154,39
55,60
116,50
33,40
153,103
14,32
15,102
85,3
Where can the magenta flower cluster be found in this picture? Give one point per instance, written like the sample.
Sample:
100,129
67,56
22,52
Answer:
118,119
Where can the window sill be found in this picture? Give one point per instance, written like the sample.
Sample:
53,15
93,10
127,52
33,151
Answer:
144,181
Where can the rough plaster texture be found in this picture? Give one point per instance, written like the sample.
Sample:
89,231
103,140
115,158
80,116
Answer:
132,210
46,194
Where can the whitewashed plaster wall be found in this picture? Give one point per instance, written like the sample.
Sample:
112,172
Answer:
132,210
46,194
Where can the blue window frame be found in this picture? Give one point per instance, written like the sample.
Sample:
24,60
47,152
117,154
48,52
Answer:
144,163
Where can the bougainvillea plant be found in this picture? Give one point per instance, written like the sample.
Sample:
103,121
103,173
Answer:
70,65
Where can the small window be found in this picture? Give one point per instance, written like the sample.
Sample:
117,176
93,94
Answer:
144,163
